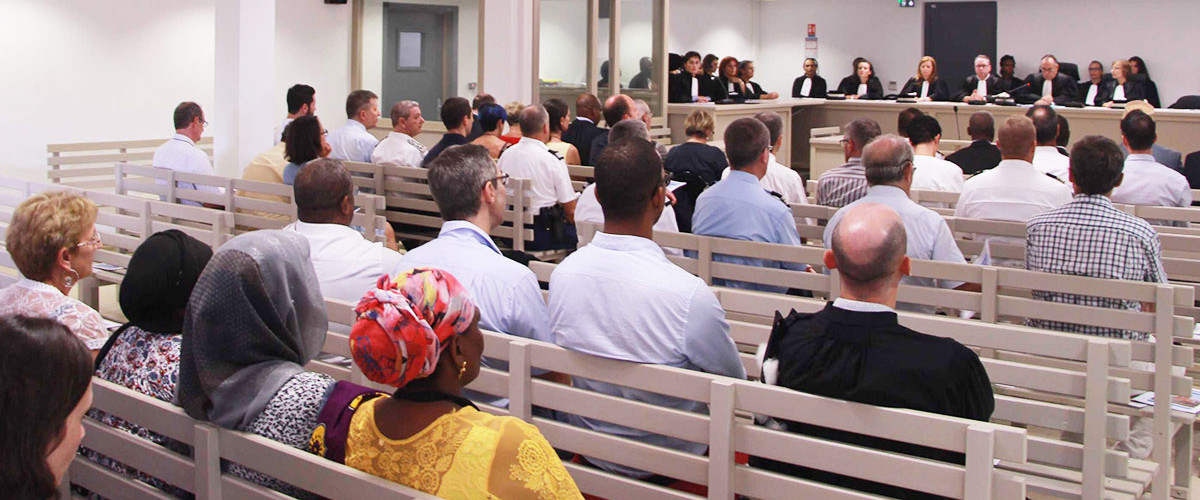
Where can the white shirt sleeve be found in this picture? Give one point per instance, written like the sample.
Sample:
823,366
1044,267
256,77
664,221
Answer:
946,250
563,191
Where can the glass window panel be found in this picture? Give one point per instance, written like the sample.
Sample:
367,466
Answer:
562,49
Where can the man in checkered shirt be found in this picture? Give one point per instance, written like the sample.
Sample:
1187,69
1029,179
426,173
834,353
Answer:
1089,237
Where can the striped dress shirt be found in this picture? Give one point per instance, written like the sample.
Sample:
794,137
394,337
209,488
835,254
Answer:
842,185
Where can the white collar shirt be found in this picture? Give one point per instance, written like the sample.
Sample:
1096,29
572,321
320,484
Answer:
860,306
549,182
399,149
1148,182
347,265
352,142
1012,191
280,128
620,298
181,155
1048,160
588,210
936,174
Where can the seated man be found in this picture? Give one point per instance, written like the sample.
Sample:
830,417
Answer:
353,141
181,154
780,179
583,130
1047,86
588,208
841,186
346,263
981,154
400,146
888,161
456,116
856,350
616,108
1146,181
1046,158
930,172
551,193
653,311
739,208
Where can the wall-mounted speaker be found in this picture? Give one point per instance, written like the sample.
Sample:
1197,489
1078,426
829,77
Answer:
336,2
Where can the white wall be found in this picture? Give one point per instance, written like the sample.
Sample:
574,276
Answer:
312,46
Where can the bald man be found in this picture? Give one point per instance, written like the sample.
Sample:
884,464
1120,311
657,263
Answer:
584,130
1048,86
616,108
854,349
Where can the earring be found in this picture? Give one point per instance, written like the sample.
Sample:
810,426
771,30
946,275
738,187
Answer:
462,371
69,281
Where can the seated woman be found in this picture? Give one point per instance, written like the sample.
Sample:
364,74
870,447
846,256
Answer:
694,163
710,83
421,335
753,89
144,354
513,111
492,118
810,84
862,84
47,373
305,138
255,319
1121,89
926,86
53,239
560,118
732,84
1141,74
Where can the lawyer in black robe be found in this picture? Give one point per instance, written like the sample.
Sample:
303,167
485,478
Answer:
818,90
1063,88
937,89
849,86
971,83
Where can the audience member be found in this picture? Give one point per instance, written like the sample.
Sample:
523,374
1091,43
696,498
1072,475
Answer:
354,142
888,163
1048,86
981,85
493,118
1162,154
401,147
855,350
841,186
583,130
616,108
477,104
267,166
685,85
456,116
903,118
560,116
1063,139
345,263
1141,73
551,193
863,84
647,117
667,315
255,318
421,335
1008,78
301,101
981,154
810,84
181,154
1145,181
1046,157
53,240
780,180
305,143
927,85
753,89
589,210
513,110
694,163
739,208
930,172
1090,90
47,388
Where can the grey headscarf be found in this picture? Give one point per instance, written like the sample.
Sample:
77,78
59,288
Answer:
255,318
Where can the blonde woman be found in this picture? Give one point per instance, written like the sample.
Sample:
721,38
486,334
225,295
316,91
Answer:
927,85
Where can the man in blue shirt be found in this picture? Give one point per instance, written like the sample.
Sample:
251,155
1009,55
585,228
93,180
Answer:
739,208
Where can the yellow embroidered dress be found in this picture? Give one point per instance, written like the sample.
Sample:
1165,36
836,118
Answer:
465,455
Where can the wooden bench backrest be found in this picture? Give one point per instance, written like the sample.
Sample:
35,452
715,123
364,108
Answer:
90,164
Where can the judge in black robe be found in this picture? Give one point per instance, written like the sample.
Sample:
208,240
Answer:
1062,87
710,87
1134,91
817,90
937,89
971,83
849,86
679,89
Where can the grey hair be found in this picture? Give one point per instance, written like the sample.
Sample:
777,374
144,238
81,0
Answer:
533,119
885,158
625,129
862,131
402,110
643,108
456,177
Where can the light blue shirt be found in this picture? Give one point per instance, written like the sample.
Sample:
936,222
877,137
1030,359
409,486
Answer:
739,208
352,142
620,298
507,293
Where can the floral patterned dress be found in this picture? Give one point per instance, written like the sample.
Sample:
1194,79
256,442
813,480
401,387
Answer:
39,300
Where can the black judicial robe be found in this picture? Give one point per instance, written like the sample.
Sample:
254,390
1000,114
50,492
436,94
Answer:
1150,88
979,156
817,91
867,357
1086,86
679,88
937,89
732,90
849,86
970,83
580,134
1063,88
1134,91
710,87
754,90
1007,84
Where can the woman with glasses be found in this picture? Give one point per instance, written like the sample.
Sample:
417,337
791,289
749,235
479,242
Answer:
53,240
305,139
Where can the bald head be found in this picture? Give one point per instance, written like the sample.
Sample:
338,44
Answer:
1017,138
982,127
618,107
588,106
868,248
534,120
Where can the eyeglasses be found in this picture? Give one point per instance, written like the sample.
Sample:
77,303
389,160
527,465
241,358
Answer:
502,178
844,142
325,131
94,242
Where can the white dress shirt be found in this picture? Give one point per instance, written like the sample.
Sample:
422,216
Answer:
181,155
1048,160
860,306
347,265
352,142
1148,182
588,210
1012,191
936,174
549,181
781,180
399,149
279,129
620,298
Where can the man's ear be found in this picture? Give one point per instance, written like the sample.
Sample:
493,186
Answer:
905,266
830,261
1120,179
348,204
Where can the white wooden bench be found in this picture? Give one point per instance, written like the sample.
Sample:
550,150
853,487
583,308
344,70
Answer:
90,164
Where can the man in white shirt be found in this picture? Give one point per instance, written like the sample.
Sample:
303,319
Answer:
1013,190
549,182
301,101
347,265
399,147
931,173
588,207
1146,181
353,142
780,179
620,298
1046,158
469,190
181,154
841,186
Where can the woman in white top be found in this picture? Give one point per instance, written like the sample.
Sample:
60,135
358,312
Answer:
53,240
1121,89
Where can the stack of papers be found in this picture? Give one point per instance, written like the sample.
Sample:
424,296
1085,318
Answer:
1178,403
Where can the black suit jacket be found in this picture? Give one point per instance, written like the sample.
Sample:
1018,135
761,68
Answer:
849,86
1191,170
979,156
1063,88
818,89
580,134
971,83
597,147
679,88
732,90
937,89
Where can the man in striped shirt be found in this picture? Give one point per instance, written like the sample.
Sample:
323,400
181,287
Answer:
840,186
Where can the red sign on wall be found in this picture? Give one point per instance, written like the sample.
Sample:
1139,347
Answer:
812,30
